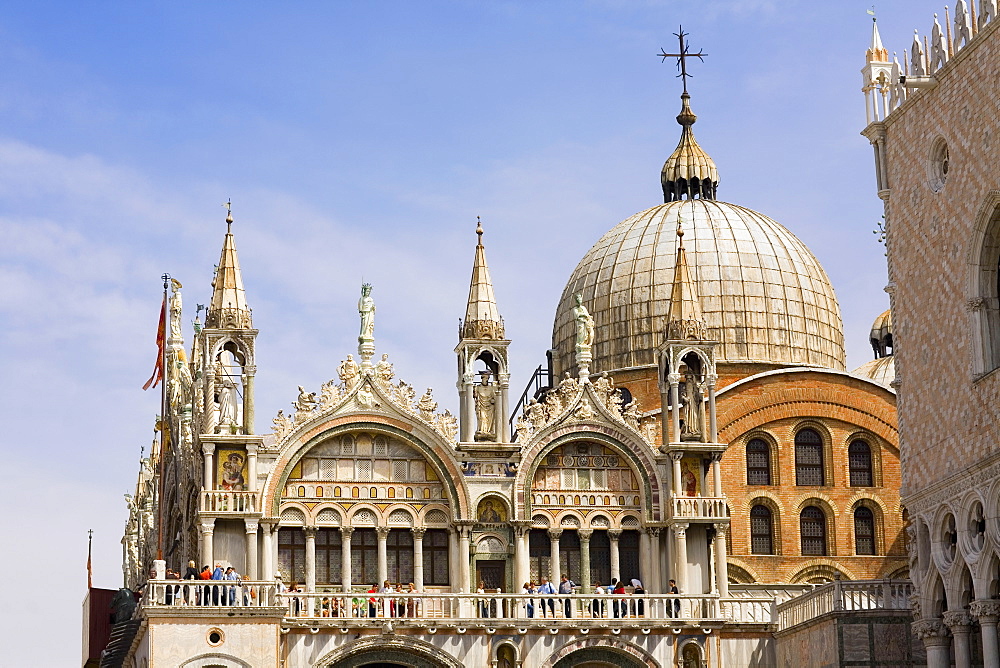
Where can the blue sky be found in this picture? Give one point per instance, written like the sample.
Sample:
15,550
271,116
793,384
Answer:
361,140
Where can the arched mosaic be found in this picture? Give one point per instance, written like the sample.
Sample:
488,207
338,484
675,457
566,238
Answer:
585,474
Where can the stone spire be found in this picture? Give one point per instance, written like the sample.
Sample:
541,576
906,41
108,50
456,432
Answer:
876,52
228,308
482,318
689,172
684,319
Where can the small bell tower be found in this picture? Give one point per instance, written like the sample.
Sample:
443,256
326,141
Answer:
483,372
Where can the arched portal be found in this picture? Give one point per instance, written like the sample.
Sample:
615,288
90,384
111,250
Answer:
388,653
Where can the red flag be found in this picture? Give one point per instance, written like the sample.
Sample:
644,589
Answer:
157,376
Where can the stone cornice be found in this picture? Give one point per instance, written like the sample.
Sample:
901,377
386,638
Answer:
986,471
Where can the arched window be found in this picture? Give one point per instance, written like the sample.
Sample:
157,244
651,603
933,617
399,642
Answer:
758,463
859,454
864,530
808,458
761,530
812,526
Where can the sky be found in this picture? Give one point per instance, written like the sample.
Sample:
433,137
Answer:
358,141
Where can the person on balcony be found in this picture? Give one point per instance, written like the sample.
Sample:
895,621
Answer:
597,605
217,575
566,587
529,603
639,593
206,591
674,604
191,595
619,604
482,603
231,574
547,588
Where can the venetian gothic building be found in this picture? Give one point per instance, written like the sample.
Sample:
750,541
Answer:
695,425
932,122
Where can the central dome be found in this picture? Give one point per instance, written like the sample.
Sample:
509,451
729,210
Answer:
764,295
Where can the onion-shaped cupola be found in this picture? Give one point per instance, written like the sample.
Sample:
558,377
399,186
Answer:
689,172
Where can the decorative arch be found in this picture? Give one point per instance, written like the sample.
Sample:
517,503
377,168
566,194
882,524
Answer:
740,572
944,538
492,508
982,295
772,451
826,448
638,456
408,651
506,647
436,452
215,659
816,569
610,650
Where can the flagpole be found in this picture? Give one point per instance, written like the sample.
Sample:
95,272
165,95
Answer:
90,568
163,429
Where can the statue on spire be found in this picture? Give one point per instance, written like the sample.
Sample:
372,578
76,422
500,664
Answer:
584,337
366,339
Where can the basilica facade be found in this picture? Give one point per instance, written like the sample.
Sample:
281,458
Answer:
695,436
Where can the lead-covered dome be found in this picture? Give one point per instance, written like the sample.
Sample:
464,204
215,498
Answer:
763,294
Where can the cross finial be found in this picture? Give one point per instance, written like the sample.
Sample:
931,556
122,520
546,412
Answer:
229,214
479,229
682,55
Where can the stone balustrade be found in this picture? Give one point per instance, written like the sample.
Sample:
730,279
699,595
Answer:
845,595
198,594
699,508
222,502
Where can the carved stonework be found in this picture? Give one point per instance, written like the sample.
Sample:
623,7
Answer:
975,303
229,318
930,632
986,610
687,330
957,620
490,330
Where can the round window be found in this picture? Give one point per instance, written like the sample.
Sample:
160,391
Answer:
215,637
939,164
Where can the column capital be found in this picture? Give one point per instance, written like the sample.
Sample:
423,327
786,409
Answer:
208,526
554,534
653,532
346,531
309,531
986,610
959,621
382,532
251,525
673,379
418,533
931,632
250,369
677,455
208,448
680,529
614,534
585,534
721,529
251,449
716,457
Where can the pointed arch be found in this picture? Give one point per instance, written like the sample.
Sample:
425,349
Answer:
982,291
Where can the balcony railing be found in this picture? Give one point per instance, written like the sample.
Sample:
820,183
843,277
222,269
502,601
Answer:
360,608
845,595
699,508
219,501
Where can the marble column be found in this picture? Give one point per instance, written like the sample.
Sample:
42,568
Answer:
713,422
675,412
310,558
585,578
676,457
936,641
521,565
207,532
645,560
248,405
468,413
345,558
267,565
721,564
681,551
716,474
464,576
251,552
959,622
988,613
208,450
252,467
382,534
454,576
654,584
555,568
616,569
418,557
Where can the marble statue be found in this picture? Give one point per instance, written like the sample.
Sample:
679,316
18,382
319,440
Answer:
405,395
383,370
329,394
615,400
366,398
523,426
584,411
584,326
631,415
917,56
939,50
175,310
227,403
427,405
366,308
535,413
306,401
569,386
348,372
448,425
282,424
690,407
485,396
602,385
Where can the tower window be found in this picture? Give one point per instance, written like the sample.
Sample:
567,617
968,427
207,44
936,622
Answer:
812,526
758,463
761,530
808,458
859,455
864,530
